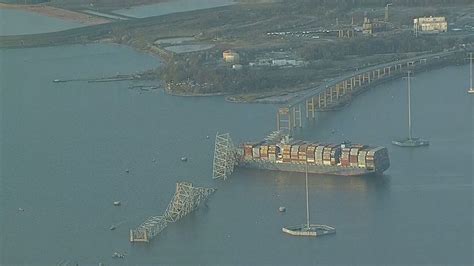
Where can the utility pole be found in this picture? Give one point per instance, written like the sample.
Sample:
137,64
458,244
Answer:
386,12
409,104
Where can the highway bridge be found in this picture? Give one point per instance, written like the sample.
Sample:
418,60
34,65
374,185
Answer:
338,92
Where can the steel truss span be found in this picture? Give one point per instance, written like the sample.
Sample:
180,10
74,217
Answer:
224,157
185,200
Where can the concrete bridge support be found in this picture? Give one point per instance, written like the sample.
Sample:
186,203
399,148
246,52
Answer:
310,108
284,119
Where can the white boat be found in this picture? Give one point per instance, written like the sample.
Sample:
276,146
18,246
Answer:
308,229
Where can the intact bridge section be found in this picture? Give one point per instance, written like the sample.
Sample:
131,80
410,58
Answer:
338,92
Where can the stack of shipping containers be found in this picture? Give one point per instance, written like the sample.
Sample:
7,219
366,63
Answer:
345,155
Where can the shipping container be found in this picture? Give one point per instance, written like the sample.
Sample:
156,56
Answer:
294,153
318,154
361,158
272,157
256,152
248,151
327,155
335,154
264,152
345,156
353,156
302,153
310,153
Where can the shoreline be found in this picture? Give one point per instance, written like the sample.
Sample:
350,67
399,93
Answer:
169,92
58,13
283,99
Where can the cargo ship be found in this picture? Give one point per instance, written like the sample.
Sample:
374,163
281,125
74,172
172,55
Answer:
343,159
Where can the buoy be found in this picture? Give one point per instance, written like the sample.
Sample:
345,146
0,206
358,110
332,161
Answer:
282,209
117,203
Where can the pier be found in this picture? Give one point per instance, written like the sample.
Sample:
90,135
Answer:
338,92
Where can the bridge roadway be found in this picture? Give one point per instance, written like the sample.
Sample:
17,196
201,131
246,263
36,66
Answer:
340,90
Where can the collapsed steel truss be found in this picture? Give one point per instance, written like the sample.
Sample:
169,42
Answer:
224,157
186,199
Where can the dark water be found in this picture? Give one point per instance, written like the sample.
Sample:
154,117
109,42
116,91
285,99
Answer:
165,8
65,148
17,22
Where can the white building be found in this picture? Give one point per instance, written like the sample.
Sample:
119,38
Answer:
430,24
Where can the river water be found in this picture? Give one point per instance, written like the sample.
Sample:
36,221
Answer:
65,148
165,8
17,22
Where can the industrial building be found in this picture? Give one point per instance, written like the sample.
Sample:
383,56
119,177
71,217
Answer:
430,25
372,26
230,56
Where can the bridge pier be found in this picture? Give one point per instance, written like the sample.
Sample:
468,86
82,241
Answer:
298,119
284,119
310,108
329,95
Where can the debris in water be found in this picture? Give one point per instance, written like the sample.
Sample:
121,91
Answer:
118,255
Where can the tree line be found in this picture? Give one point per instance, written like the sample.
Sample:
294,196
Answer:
363,3
402,43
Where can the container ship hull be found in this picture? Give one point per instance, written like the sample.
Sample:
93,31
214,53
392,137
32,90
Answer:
301,168
289,155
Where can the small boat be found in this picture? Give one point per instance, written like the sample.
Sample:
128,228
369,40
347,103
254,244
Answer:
184,159
117,203
21,209
112,227
282,209
410,141
308,229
